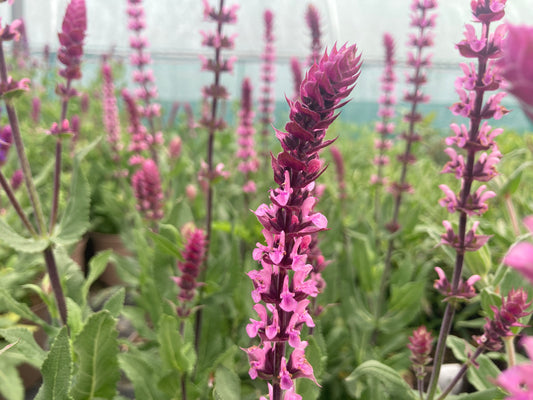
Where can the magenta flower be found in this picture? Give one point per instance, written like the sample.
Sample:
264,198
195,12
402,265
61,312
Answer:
266,99
284,282
110,112
516,65
246,152
16,179
146,184
139,137
193,257
312,17
465,290
71,39
520,256
518,379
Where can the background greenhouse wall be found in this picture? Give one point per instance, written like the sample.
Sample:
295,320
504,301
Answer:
173,31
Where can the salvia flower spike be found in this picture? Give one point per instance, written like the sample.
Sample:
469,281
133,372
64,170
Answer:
245,131
146,184
474,155
312,18
266,99
283,283
110,111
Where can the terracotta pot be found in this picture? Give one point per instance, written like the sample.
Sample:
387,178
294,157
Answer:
104,241
78,253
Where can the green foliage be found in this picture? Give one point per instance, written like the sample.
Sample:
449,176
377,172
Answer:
96,348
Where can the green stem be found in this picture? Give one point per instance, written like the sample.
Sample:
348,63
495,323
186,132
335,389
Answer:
510,351
16,205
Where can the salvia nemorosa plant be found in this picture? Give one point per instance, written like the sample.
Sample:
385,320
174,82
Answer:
246,151
385,126
110,112
474,155
143,76
312,18
283,282
212,119
70,52
266,99
423,20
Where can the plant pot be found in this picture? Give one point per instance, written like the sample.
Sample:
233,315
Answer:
104,241
78,253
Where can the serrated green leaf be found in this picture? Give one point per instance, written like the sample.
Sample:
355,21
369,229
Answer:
391,382
6,348
56,369
25,245
75,220
115,303
11,386
227,384
175,353
26,345
97,347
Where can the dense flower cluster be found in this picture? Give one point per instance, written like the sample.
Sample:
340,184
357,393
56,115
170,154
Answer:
476,140
296,70
146,184
193,257
312,17
266,100
512,309
420,344
71,39
289,221
246,152
385,127
110,111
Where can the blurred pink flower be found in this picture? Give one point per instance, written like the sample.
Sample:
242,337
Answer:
520,256
516,65
518,380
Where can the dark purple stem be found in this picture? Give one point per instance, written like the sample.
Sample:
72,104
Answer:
461,373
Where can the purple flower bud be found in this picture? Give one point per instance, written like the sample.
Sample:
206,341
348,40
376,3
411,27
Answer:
420,344
16,179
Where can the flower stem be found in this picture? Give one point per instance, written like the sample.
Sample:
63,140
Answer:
512,213
56,283
16,205
510,351
461,373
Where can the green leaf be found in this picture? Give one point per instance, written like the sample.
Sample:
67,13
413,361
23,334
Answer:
227,384
80,155
11,386
75,317
6,348
96,347
489,394
479,262
167,241
19,243
56,369
116,302
175,353
141,373
75,220
97,265
389,379
26,344
21,309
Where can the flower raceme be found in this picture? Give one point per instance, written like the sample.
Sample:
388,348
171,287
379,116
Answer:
71,39
246,152
146,184
284,281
